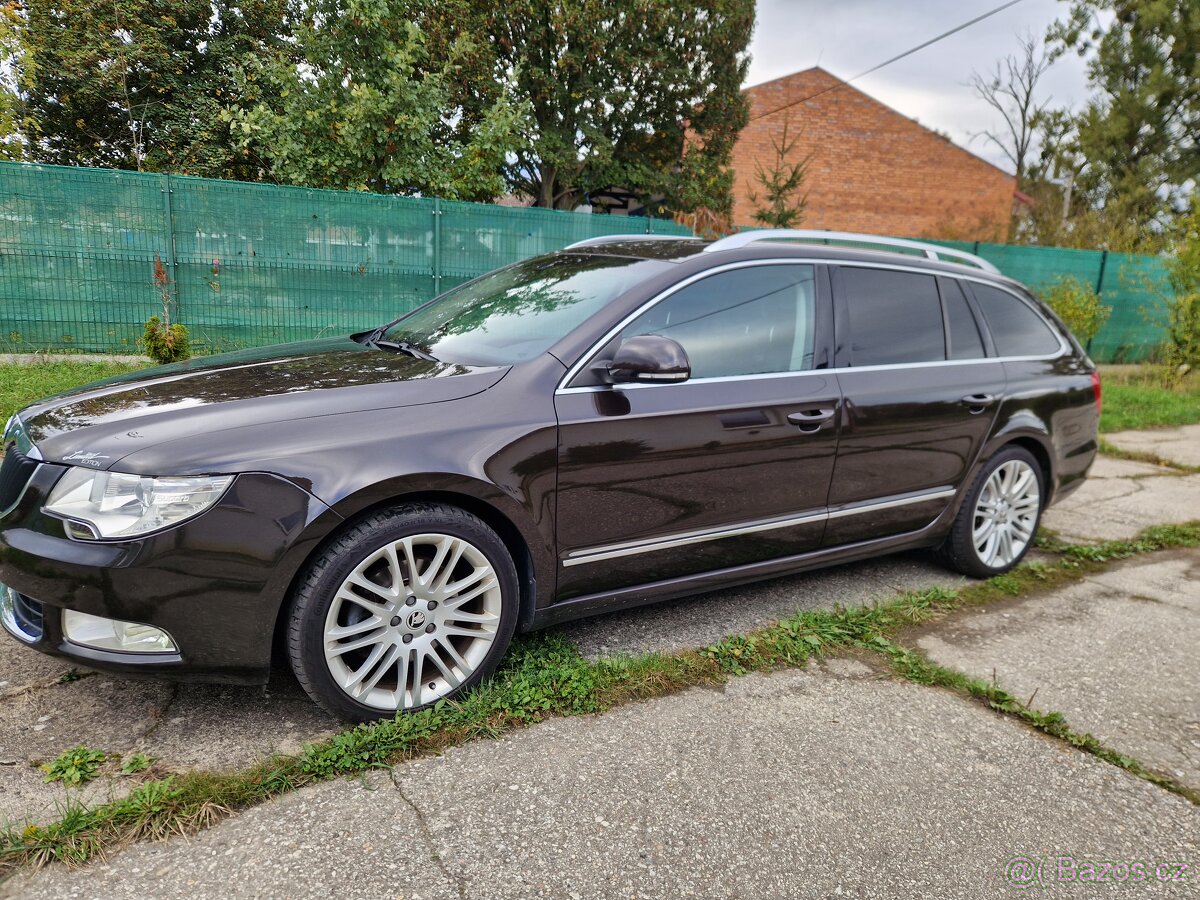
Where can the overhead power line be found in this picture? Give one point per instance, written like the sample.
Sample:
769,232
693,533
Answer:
896,58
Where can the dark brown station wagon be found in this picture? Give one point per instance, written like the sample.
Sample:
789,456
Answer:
620,422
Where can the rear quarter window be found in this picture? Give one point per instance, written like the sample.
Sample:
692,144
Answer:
1016,328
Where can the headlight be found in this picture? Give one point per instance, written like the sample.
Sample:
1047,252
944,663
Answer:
114,505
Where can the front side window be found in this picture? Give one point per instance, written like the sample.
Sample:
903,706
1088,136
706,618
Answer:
1016,329
894,317
749,321
519,312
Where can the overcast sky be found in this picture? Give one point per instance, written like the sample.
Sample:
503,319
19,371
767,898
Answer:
846,37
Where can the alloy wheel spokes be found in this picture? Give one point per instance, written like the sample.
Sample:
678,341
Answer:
1006,513
412,621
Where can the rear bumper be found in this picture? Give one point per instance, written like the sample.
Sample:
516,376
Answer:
214,583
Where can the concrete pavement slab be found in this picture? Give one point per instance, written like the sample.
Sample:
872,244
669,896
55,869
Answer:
1105,509
793,785
1116,655
1180,445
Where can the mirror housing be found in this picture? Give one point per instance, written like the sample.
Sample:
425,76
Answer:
647,359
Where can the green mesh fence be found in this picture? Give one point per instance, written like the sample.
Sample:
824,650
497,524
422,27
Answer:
254,264
1134,286
250,264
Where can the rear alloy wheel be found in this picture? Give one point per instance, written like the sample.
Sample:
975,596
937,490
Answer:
407,608
997,522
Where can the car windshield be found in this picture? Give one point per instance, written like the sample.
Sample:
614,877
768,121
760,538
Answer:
517,313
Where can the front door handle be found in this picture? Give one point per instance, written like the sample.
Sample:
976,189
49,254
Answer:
809,421
978,402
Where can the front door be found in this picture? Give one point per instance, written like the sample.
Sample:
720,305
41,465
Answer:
730,467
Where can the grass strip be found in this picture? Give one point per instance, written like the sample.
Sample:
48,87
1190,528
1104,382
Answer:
544,676
22,384
1135,398
1144,456
916,667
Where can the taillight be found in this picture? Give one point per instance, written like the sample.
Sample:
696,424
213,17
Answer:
1096,390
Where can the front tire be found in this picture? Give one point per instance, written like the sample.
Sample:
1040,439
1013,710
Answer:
406,608
997,522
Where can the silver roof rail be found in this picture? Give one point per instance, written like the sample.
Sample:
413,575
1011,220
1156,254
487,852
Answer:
933,251
614,238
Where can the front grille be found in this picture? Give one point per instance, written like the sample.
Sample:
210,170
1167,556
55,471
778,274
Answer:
28,614
15,472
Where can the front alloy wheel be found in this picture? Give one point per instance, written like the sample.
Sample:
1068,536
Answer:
408,607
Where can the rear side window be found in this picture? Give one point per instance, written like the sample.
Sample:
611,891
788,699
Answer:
748,321
1015,327
965,342
895,317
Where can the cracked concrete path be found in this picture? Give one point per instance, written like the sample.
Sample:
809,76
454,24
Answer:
1115,654
1180,445
218,727
1122,498
818,783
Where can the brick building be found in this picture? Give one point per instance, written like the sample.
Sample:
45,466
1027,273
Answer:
873,169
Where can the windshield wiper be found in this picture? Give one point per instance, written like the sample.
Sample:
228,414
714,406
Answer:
403,347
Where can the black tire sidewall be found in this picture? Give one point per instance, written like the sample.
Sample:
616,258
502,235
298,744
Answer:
306,633
962,545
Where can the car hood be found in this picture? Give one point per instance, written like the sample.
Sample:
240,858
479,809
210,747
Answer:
98,424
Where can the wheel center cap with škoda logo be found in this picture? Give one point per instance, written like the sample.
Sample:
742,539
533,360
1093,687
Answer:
416,619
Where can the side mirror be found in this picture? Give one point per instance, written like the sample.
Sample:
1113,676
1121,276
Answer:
647,359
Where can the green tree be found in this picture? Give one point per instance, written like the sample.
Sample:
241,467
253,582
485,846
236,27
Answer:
370,103
1181,350
643,95
1078,305
1139,135
136,84
781,203
11,143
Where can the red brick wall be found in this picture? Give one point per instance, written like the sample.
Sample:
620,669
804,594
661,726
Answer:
873,169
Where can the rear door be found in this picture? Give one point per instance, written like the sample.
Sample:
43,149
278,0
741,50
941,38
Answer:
728,468
919,398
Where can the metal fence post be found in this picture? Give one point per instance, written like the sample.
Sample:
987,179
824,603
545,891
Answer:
169,229
1099,287
1100,277
437,246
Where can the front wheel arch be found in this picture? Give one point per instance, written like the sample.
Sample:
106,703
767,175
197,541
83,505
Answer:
504,527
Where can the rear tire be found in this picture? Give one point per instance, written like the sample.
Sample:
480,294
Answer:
406,608
996,524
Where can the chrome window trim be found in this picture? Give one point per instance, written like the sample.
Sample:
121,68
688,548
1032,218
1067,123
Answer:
574,370
683,539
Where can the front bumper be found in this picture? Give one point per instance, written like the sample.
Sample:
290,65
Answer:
214,583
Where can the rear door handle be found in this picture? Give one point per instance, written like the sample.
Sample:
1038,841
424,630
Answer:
810,421
978,402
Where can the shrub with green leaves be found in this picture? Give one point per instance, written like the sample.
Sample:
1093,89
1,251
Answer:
166,343
1078,305
1181,350
75,766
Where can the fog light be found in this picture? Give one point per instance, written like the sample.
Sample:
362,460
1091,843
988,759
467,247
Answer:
113,634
